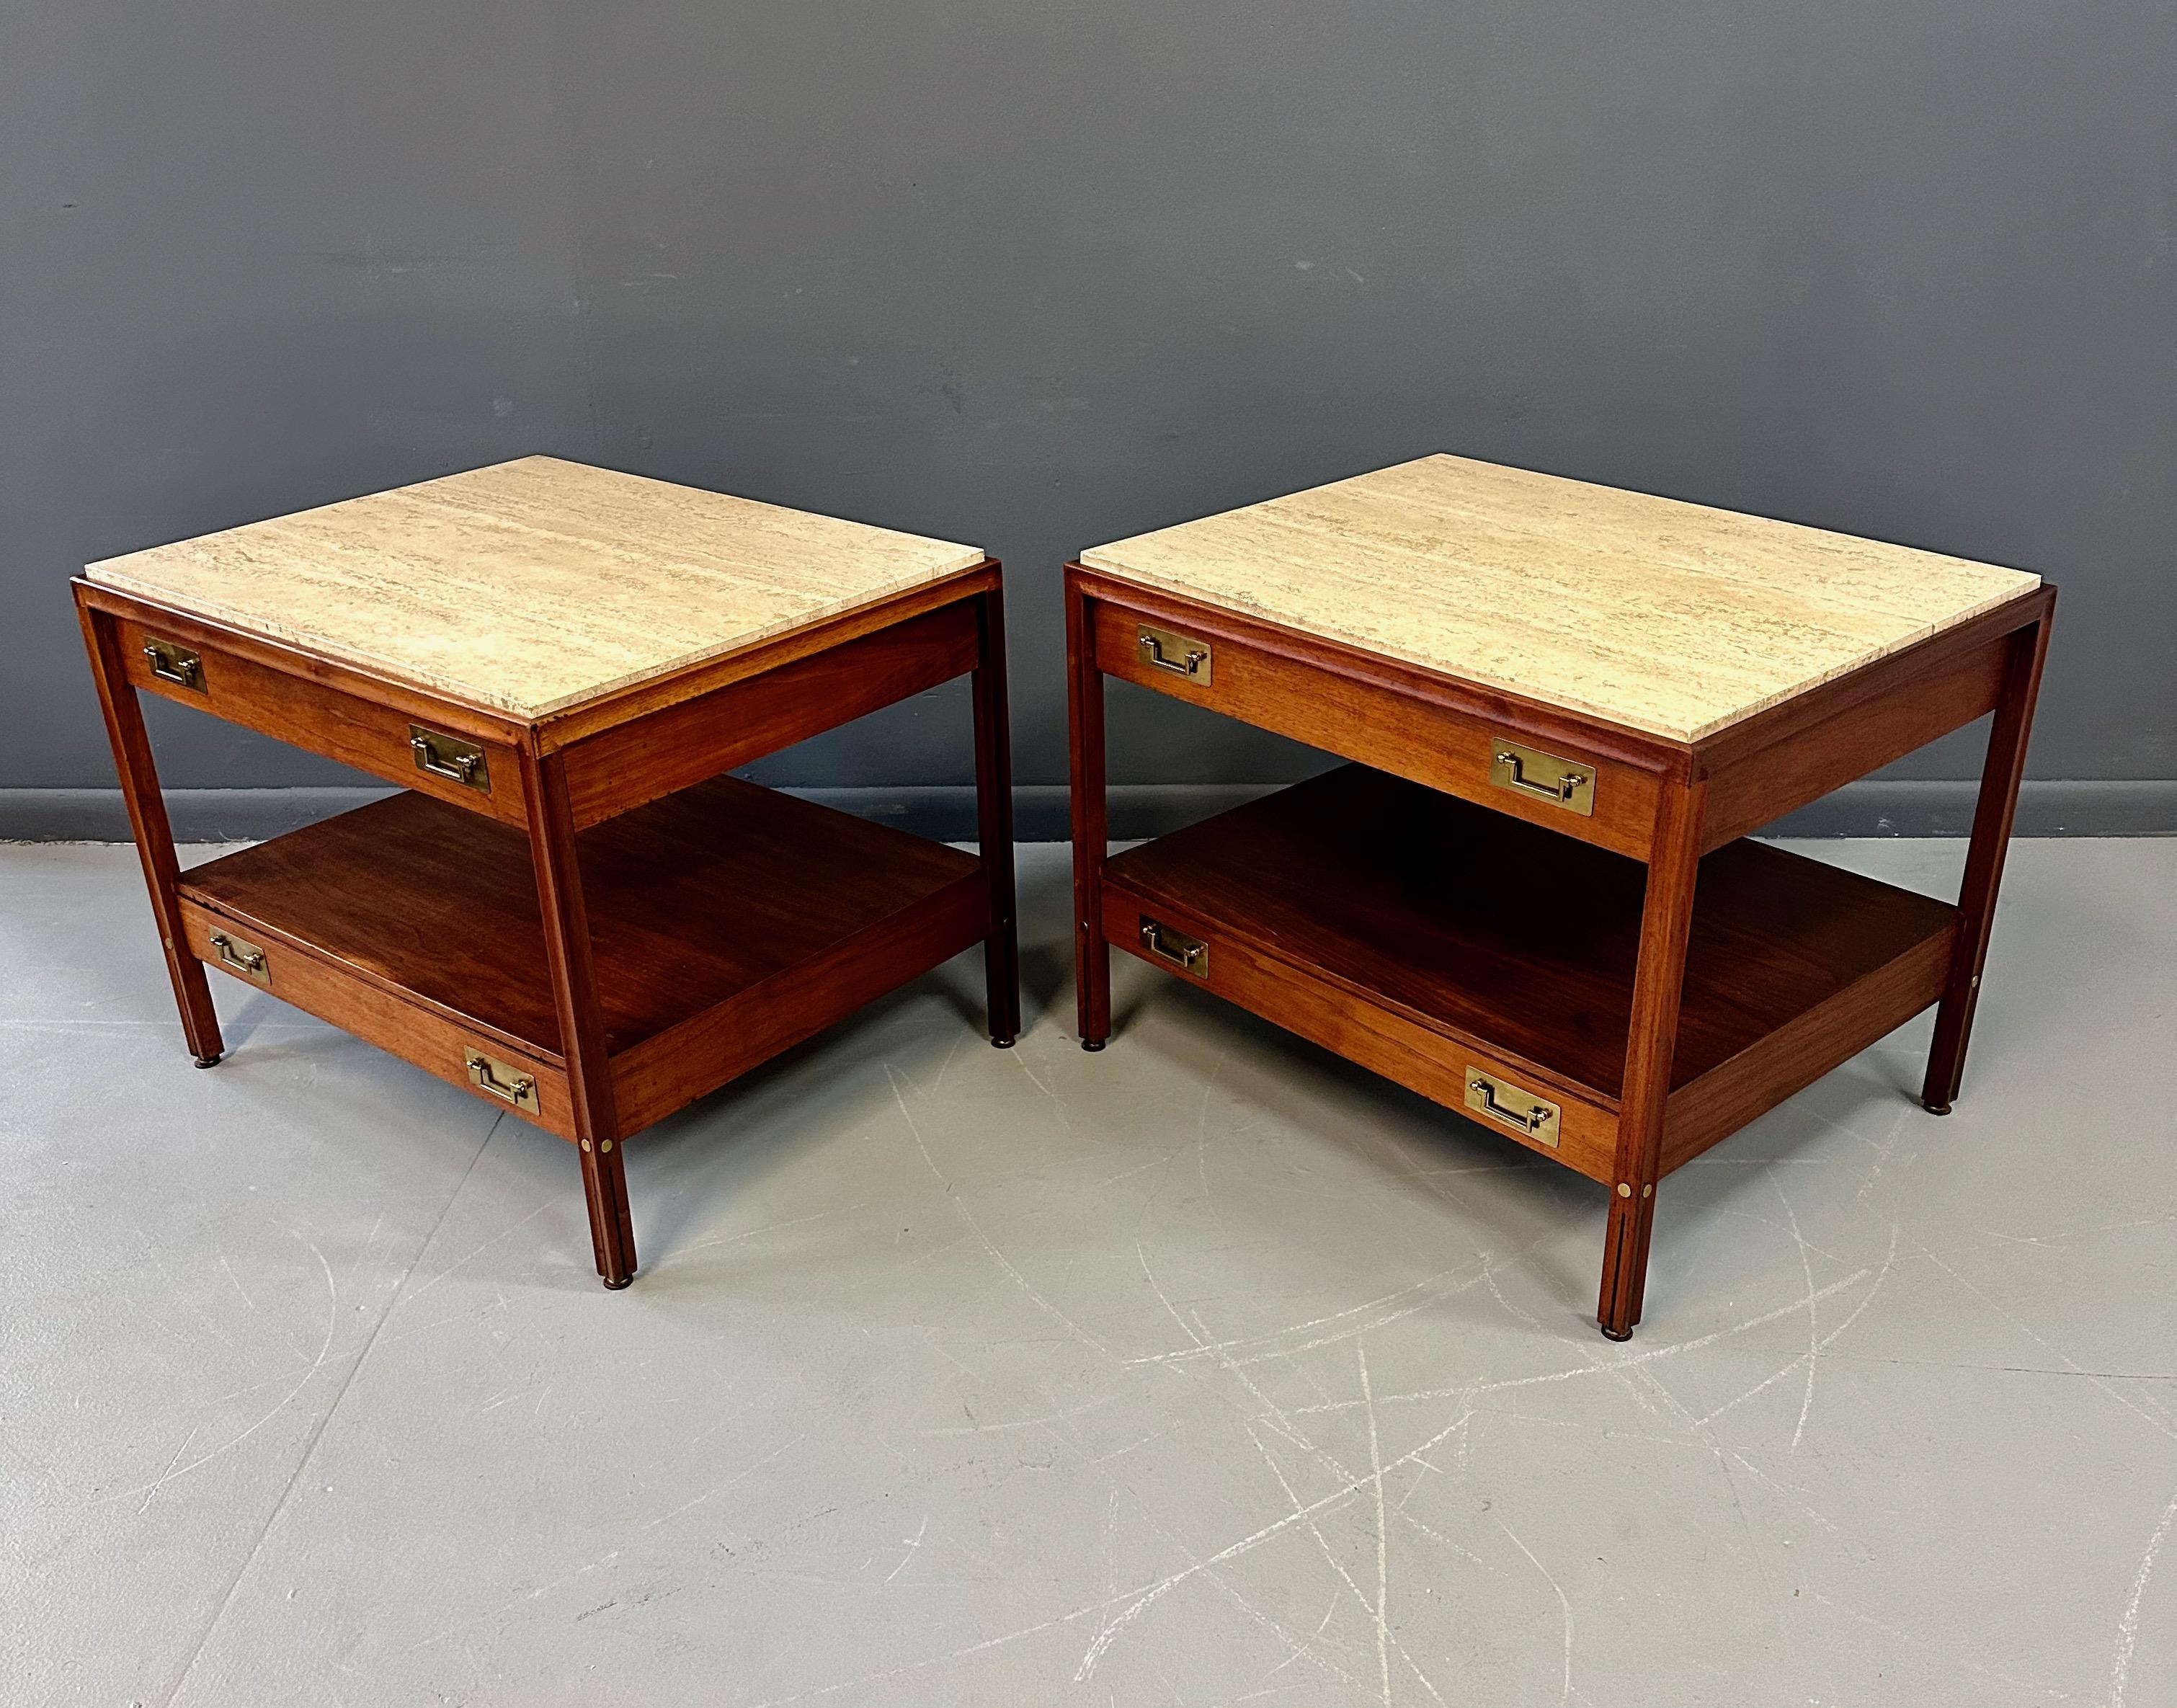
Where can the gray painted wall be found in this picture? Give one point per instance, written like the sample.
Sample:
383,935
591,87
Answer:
1041,276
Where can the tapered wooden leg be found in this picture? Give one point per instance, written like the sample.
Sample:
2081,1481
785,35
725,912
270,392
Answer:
994,820
1992,814
1084,713
581,1023
1659,976
155,836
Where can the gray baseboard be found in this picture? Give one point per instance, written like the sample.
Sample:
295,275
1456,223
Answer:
197,815
1041,810
2146,807
1859,809
1881,808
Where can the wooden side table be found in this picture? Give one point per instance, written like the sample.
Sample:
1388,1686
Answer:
571,912
1532,899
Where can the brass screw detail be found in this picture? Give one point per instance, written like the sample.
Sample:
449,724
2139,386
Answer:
1624,1190
604,1144
1647,1191
586,1147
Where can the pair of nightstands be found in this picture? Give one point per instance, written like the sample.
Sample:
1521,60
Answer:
1531,897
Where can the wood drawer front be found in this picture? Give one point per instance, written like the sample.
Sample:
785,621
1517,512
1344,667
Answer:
669,749
1376,724
322,719
356,1005
1416,1056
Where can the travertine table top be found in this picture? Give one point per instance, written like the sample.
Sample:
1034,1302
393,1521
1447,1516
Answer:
537,584
1666,617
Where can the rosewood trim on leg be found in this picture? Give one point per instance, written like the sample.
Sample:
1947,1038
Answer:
582,1025
1084,719
994,818
155,836
1992,814
1652,1039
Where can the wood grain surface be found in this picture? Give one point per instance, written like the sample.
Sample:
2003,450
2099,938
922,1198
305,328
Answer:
689,900
1492,930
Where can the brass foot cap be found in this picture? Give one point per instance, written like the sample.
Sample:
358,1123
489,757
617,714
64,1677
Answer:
1937,1108
1092,1045
614,1286
1001,1044
209,1061
1607,1335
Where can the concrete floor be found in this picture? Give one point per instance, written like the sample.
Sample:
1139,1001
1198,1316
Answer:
1207,1369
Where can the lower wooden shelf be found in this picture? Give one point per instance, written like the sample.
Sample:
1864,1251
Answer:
729,922
1432,940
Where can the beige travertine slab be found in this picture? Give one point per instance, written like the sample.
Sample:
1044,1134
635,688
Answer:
533,585
1666,617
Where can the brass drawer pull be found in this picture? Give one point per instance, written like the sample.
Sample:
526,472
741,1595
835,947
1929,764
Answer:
175,664
1522,1111
245,959
1176,654
508,1084
1190,955
450,757
1560,782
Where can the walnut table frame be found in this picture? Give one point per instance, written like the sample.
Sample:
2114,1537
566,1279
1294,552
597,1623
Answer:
577,917
1442,913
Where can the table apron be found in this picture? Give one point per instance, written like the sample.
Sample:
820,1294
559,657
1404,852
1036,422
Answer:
1894,707
654,754
369,734
1437,745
